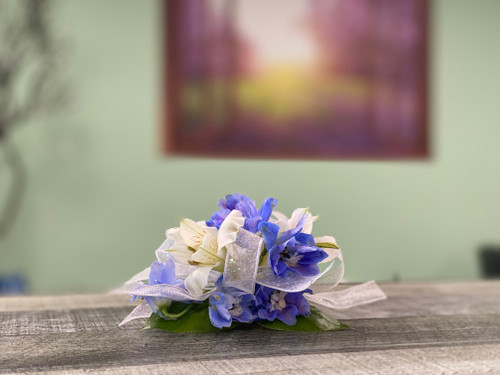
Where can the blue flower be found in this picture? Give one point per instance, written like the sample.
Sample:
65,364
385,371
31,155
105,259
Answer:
161,273
291,251
273,304
247,208
228,305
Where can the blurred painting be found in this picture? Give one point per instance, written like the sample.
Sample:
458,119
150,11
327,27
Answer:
296,78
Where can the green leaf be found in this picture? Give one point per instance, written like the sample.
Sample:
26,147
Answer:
325,245
315,322
195,319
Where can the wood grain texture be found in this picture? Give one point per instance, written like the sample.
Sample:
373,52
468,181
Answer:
482,359
421,328
421,299
33,303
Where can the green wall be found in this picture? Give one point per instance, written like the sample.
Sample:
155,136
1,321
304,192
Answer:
101,195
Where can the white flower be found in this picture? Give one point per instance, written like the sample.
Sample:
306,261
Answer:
329,245
203,248
202,241
286,224
194,243
230,228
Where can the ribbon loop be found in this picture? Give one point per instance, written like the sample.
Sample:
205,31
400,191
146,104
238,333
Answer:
141,311
293,282
242,261
345,299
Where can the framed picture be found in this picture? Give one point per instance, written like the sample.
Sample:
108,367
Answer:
302,79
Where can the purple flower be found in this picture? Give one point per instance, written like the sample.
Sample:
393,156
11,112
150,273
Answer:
228,305
247,208
161,273
291,251
273,304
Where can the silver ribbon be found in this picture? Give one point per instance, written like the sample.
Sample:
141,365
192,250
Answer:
242,261
293,282
134,282
345,299
141,311
242,271
172,292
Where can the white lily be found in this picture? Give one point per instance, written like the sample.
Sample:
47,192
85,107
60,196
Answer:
177,247
202,248
194,243
286,223
329,245
229,229
197,281
202,241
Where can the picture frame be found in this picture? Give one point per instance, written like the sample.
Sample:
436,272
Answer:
296,79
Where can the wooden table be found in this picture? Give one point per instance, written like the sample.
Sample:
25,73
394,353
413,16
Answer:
422,328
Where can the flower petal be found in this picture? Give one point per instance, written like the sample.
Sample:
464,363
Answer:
197,282
305,239
217,319
285,236
288,315
174,234
332,252
299,301
279,216
205,257
162,273
229,229
309,219
157,303
269,232
209,241
327,239
192,233
266,209
177,249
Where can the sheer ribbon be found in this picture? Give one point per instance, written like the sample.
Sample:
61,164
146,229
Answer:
242,271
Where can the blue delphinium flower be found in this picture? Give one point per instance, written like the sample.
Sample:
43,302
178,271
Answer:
271,304
161,273
247,208
228,305
291,251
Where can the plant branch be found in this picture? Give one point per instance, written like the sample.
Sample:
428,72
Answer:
13,161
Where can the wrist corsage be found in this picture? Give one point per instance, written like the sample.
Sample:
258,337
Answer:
244,265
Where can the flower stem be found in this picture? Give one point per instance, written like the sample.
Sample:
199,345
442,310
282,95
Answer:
168,315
